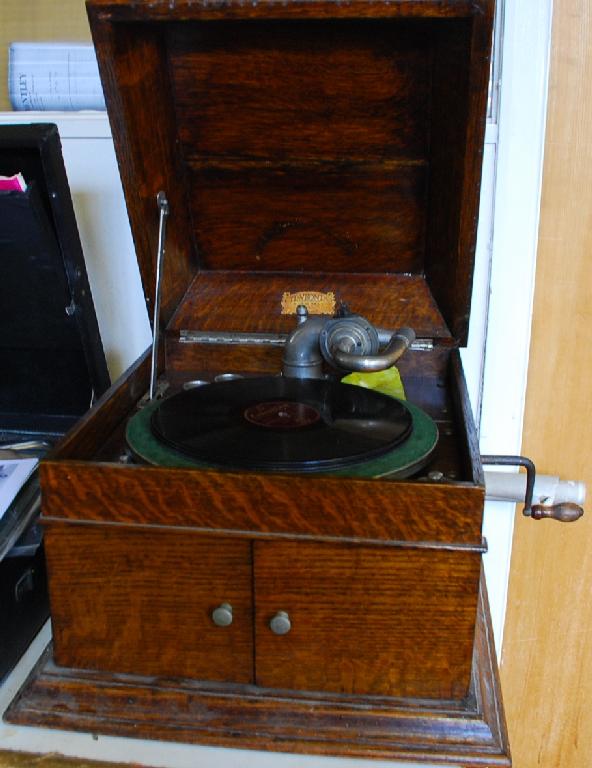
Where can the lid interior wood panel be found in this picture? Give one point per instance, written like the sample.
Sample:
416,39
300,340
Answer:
256,300
325,146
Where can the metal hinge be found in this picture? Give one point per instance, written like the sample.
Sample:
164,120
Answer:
261,339
232,337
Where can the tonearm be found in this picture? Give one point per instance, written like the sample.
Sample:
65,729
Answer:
348,342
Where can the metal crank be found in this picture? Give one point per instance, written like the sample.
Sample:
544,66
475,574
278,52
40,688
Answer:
564,510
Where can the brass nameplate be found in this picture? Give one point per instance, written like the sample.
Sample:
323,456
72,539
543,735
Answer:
316,302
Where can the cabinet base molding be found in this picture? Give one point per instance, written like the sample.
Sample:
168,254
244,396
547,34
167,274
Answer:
470,733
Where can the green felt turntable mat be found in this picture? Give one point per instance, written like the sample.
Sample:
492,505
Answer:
403,461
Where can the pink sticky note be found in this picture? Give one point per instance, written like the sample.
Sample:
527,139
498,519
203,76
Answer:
14,183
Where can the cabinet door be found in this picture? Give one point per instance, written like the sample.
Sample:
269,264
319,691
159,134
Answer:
365,620
142,601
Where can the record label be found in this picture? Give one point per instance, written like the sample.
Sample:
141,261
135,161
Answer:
282,414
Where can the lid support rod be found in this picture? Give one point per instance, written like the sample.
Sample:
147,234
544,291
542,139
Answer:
163,207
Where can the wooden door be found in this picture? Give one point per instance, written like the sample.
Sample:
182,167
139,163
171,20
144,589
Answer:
142,601
365,620
547,652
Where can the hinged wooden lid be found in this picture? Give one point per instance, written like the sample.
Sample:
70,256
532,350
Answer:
304,147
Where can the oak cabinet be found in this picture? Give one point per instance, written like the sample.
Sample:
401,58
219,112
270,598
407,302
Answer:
308,616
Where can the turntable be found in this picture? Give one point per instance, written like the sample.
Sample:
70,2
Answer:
284,561
302,421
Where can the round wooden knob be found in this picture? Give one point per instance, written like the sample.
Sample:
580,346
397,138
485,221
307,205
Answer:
222,615
280,624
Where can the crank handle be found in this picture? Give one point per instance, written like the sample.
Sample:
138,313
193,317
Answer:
565,512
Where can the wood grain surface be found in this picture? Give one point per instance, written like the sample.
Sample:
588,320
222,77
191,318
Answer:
301,175
470,733
388,301
97,426
547,653
360,219
123,10
302,91
142,601
374,509
415,611
458,120
337,146
133,74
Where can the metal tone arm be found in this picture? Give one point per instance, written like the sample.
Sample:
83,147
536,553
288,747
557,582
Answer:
399,343
350,343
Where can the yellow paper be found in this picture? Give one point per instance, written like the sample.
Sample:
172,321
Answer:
388,382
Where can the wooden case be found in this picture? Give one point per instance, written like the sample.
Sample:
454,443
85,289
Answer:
329,151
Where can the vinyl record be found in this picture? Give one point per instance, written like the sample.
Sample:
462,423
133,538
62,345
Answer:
281,424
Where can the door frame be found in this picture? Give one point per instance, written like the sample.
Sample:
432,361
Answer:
526,43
